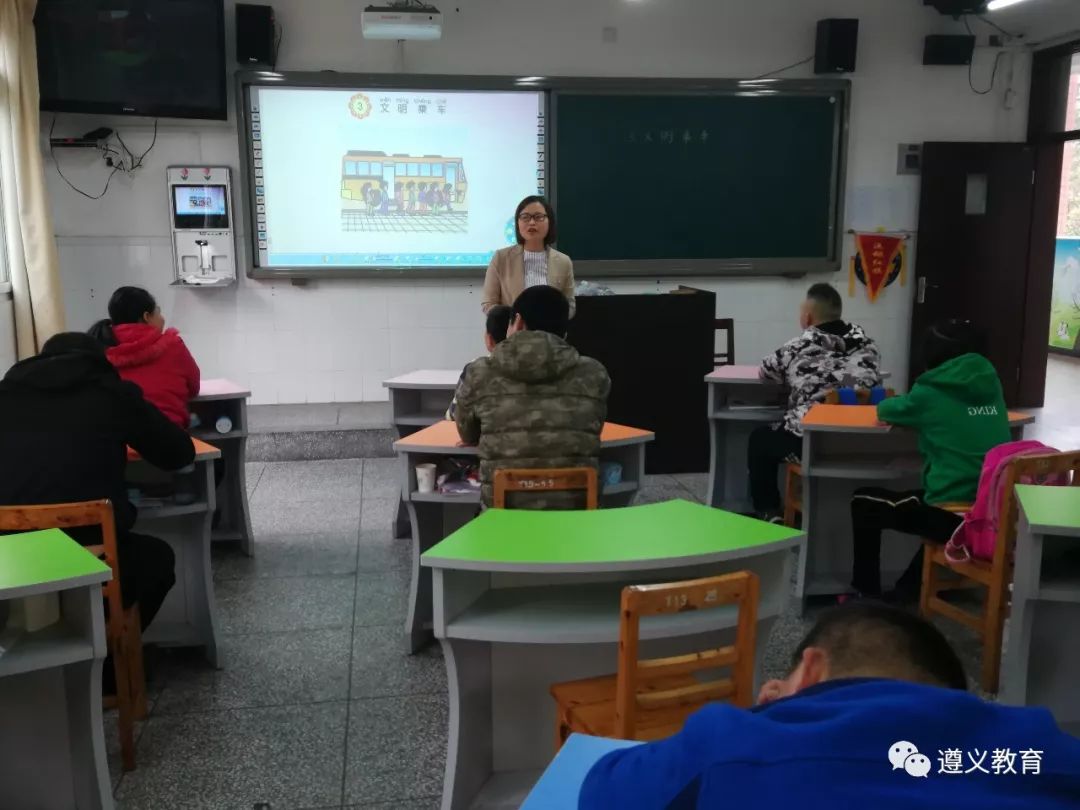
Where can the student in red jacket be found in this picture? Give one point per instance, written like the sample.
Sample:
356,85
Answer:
144,352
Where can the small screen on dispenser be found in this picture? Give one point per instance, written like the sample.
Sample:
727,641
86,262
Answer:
200,207
200,201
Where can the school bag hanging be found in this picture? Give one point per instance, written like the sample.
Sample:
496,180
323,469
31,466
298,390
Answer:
976,537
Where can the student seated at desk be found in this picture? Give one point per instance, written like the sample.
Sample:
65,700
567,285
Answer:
146,353
827,355
958,408
874,703
535,402
495,325
66,421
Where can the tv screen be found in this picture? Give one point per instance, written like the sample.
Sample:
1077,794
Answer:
161,58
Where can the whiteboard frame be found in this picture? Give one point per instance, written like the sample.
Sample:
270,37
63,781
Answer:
551,87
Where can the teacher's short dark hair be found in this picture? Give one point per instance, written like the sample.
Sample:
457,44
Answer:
544,309
536,198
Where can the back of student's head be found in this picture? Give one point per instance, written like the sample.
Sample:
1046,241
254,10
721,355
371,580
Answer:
72,342
127,305
498,321
543,309
825,303
867,640
950,339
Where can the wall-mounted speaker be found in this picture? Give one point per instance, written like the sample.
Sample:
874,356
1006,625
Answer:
254,34
953,49
837,46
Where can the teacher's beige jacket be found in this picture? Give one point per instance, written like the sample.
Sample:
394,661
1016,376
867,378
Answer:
505,279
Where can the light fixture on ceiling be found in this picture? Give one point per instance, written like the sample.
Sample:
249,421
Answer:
994,5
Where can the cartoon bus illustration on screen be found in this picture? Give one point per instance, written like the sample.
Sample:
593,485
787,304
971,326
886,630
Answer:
378,184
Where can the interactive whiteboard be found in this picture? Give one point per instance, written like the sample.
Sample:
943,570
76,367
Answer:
371,178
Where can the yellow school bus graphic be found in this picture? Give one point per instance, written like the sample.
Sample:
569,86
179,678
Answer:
403,185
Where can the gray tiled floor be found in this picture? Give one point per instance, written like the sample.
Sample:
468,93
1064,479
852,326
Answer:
318,706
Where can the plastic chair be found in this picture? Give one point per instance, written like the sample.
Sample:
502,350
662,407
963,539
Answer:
651,699
123,630
995,576
565,479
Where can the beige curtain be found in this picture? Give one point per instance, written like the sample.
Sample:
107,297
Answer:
27,221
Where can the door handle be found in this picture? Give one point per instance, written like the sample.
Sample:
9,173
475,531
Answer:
920,295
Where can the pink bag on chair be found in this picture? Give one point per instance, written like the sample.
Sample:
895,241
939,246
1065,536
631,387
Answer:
976,537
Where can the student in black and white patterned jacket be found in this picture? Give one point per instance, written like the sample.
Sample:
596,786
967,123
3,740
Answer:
828,355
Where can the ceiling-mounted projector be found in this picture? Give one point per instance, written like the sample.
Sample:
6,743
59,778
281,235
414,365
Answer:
401,22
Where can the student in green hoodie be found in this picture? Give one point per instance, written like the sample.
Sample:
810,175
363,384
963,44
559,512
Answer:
958,409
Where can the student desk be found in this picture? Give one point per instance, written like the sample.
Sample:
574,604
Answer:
844,448
52,742
526,599
418,400
434,515
219,398
739,401
560,786
188,617
1042,660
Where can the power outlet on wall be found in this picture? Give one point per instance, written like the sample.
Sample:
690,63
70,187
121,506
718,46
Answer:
609,34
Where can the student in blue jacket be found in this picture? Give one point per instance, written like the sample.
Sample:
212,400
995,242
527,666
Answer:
873,715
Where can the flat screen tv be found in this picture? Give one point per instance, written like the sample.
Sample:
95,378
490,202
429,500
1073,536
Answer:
158,58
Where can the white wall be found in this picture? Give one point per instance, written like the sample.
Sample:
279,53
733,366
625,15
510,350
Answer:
336,341
7,329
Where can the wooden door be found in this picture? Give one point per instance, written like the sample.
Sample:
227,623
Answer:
975,224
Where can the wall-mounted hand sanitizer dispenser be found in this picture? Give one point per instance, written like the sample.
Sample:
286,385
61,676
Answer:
204,246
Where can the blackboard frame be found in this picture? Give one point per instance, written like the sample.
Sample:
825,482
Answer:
551,86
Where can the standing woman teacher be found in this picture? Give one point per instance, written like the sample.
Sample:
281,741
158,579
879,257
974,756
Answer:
532,261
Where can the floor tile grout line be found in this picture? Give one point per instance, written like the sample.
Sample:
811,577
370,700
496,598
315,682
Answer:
301,704
352,645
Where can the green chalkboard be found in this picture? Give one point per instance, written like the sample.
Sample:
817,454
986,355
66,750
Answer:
742,181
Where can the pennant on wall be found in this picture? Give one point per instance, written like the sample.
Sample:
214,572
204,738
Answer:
879,260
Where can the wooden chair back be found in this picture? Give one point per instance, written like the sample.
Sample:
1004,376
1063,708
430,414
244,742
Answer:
726,357
740,590
72,516
565,479
123,627
994,575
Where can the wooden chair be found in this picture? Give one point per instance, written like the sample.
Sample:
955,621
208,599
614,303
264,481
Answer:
123,629
566,479
727,356
651,699
994,576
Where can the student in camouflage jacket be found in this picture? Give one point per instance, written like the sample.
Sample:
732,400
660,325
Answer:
534,402
828,355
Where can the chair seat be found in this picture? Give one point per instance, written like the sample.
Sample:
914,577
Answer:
978,570
587,706
957,507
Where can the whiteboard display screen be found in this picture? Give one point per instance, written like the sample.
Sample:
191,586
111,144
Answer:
390,178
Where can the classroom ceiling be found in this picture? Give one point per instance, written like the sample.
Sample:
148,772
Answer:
1040,20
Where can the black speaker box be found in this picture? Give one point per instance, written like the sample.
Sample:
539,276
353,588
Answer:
837,46
254,34
948,50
